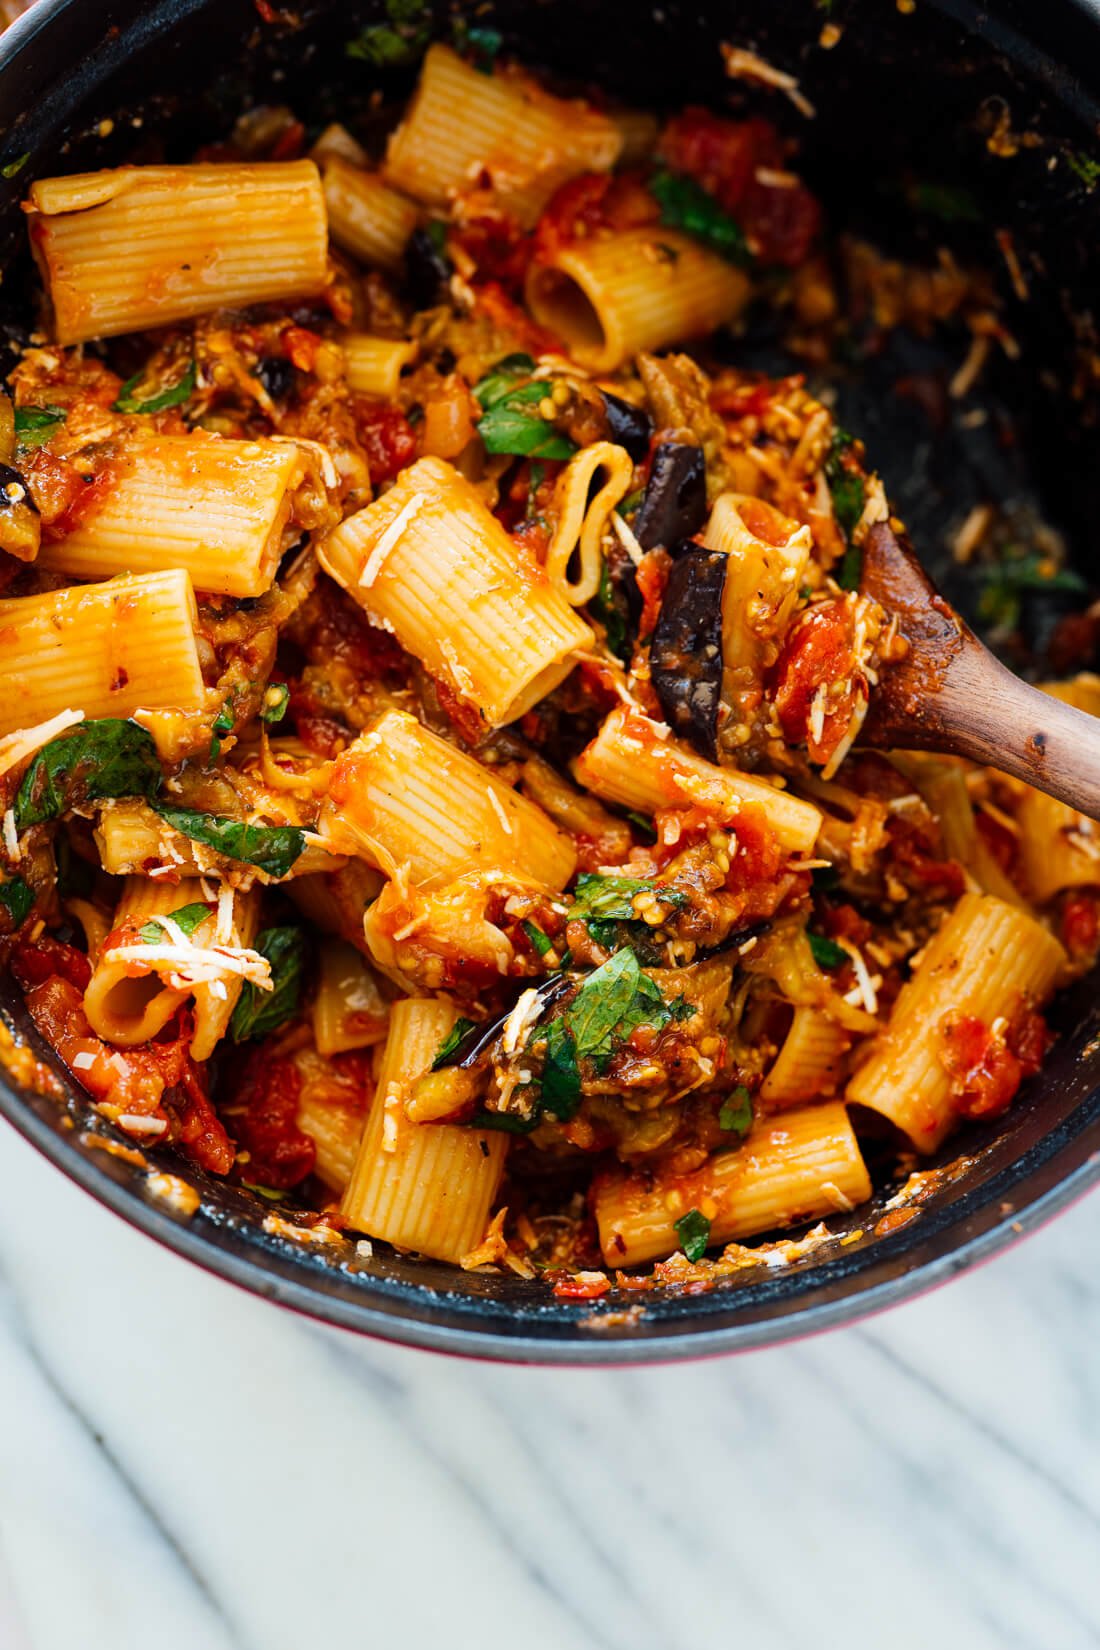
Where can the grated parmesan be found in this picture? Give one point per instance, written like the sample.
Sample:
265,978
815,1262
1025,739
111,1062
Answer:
16,747
389,540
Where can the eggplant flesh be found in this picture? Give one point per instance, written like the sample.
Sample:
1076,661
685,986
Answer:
675,503
685,655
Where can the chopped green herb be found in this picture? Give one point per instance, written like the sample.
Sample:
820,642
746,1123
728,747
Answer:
451,1041
693,1230
1006,582
512,424
175,397
395,43
14,167
948,202
643,826
735,1116
508,1122
502,378
189,918
613,1002
541,942
686,205
482,44
827,953
626,506
270,848
101,758
848,494
222,723
16,898
275,701
268,1192
560,1084
259,1012
604,897
1087,169
35,425
682,1008
436,231
612,612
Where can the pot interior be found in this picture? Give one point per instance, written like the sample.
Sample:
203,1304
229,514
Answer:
932,131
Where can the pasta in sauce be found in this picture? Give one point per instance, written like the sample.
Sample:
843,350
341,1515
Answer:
431,784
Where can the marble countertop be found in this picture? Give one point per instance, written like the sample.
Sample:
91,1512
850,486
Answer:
184,1466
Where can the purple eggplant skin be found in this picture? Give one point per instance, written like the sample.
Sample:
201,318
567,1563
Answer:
685,655
628,426
477,1042
675,503
427,271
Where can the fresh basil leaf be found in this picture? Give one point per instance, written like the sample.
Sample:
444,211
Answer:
827,953
514,425
682,1008
175,397
508,1122
611,611
276,699
259,1012
1007,582
626,506
502,378
735,1116
541,942
35,425
686,205
189,918
268,1192
101,758
14,167
451,1041
643,826
614,1001
560,1084
849,496
395,43
1087,169
482,44
693,1230
17,899
270,848
606,897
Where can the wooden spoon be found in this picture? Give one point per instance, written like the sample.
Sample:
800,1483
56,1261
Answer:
950,694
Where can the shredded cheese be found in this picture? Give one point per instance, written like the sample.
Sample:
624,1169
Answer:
16,747
389,541
498,808
11,835
520,1022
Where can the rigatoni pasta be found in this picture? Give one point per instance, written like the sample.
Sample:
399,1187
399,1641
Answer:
365,217
104,649
143,246
431,563
219,509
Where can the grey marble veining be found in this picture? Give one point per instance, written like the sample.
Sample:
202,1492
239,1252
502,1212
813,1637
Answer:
185,1466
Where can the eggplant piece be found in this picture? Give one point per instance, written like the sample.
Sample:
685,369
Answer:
685,655
478,1041
732,942
20,526
628,426
277,376
428,271
675,503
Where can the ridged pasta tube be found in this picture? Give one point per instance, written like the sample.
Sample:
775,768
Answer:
432,564
365,216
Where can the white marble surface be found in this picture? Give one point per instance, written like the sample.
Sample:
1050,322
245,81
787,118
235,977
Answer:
185,1467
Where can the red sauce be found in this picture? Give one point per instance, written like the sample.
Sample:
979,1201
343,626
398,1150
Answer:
498,246
494,302
726,157
592,202
819,651
35,961
264,1115
64,491
914,859
388,438
652,577
465,719
1081,922
986,1071
759,857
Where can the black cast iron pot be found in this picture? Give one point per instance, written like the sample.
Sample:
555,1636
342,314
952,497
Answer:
932,128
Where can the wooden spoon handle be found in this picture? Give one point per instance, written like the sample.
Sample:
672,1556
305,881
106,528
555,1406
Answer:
1012,726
